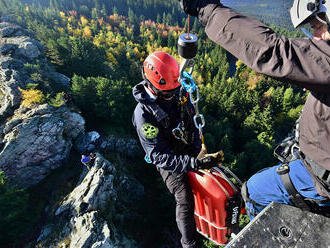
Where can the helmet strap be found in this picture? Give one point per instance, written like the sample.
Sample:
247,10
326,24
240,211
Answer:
152,88
320,19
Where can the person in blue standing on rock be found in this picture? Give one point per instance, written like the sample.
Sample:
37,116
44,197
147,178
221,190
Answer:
305,62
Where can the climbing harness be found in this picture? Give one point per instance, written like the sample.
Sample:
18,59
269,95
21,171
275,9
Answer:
288,150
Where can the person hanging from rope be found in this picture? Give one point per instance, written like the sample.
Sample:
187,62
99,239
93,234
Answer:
166,131
304,182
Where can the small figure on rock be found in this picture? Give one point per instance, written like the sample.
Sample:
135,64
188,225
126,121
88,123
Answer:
88,160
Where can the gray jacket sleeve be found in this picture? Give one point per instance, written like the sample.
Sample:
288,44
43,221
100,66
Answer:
304,62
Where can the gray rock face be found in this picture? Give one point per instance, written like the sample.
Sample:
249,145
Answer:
23,47
86,142
16,48
36,142
80,214
8,29
122,145
61,79
89,233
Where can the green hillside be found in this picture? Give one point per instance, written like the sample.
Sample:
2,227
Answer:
271,12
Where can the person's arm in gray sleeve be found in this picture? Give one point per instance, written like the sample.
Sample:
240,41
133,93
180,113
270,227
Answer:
157,148
304,62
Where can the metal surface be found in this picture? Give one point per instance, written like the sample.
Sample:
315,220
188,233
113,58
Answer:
284,226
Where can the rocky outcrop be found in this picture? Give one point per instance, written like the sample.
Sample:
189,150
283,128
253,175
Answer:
91,141
33,141
16,48
79,220
128,146
37,141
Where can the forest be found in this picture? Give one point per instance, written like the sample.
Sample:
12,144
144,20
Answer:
101,45
271,12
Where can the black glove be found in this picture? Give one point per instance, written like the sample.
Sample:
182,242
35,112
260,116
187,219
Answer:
208,161
192,7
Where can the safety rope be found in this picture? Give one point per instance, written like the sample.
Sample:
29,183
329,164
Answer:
188,38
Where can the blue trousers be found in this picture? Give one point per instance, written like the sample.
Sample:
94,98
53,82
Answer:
266,186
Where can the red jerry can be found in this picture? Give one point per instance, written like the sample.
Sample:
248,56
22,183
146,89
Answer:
217,203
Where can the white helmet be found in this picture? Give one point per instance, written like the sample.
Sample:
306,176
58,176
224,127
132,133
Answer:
301,10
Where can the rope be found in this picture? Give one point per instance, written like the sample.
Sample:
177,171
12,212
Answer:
188,38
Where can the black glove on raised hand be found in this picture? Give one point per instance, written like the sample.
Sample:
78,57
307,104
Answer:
192,7
208,160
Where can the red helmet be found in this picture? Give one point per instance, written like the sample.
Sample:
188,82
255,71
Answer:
162,71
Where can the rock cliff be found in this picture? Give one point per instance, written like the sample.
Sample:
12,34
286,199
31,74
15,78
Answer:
16,48
33,141
80,219
36,140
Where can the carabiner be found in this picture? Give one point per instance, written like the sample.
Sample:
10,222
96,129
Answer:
202,121
188,82
192,100
179,134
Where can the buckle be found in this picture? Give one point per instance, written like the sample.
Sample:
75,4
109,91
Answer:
178,133
283,169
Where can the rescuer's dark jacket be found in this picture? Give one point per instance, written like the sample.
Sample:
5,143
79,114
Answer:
154,120
304,62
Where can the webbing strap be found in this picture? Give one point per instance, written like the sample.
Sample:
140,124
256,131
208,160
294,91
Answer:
320,174
296,198
246,198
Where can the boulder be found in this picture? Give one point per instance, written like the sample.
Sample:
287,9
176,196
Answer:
8,29
87,142
128,146
61,79
36,142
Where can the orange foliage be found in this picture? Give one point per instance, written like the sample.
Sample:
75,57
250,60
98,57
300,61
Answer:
73,13
252,82
87,32
100,20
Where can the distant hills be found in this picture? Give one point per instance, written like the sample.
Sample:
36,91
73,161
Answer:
270,11
274,12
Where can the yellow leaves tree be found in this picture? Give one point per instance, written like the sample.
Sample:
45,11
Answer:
62,14
87,32
31,97
112,58
61,30
69,28
83,21
239,64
